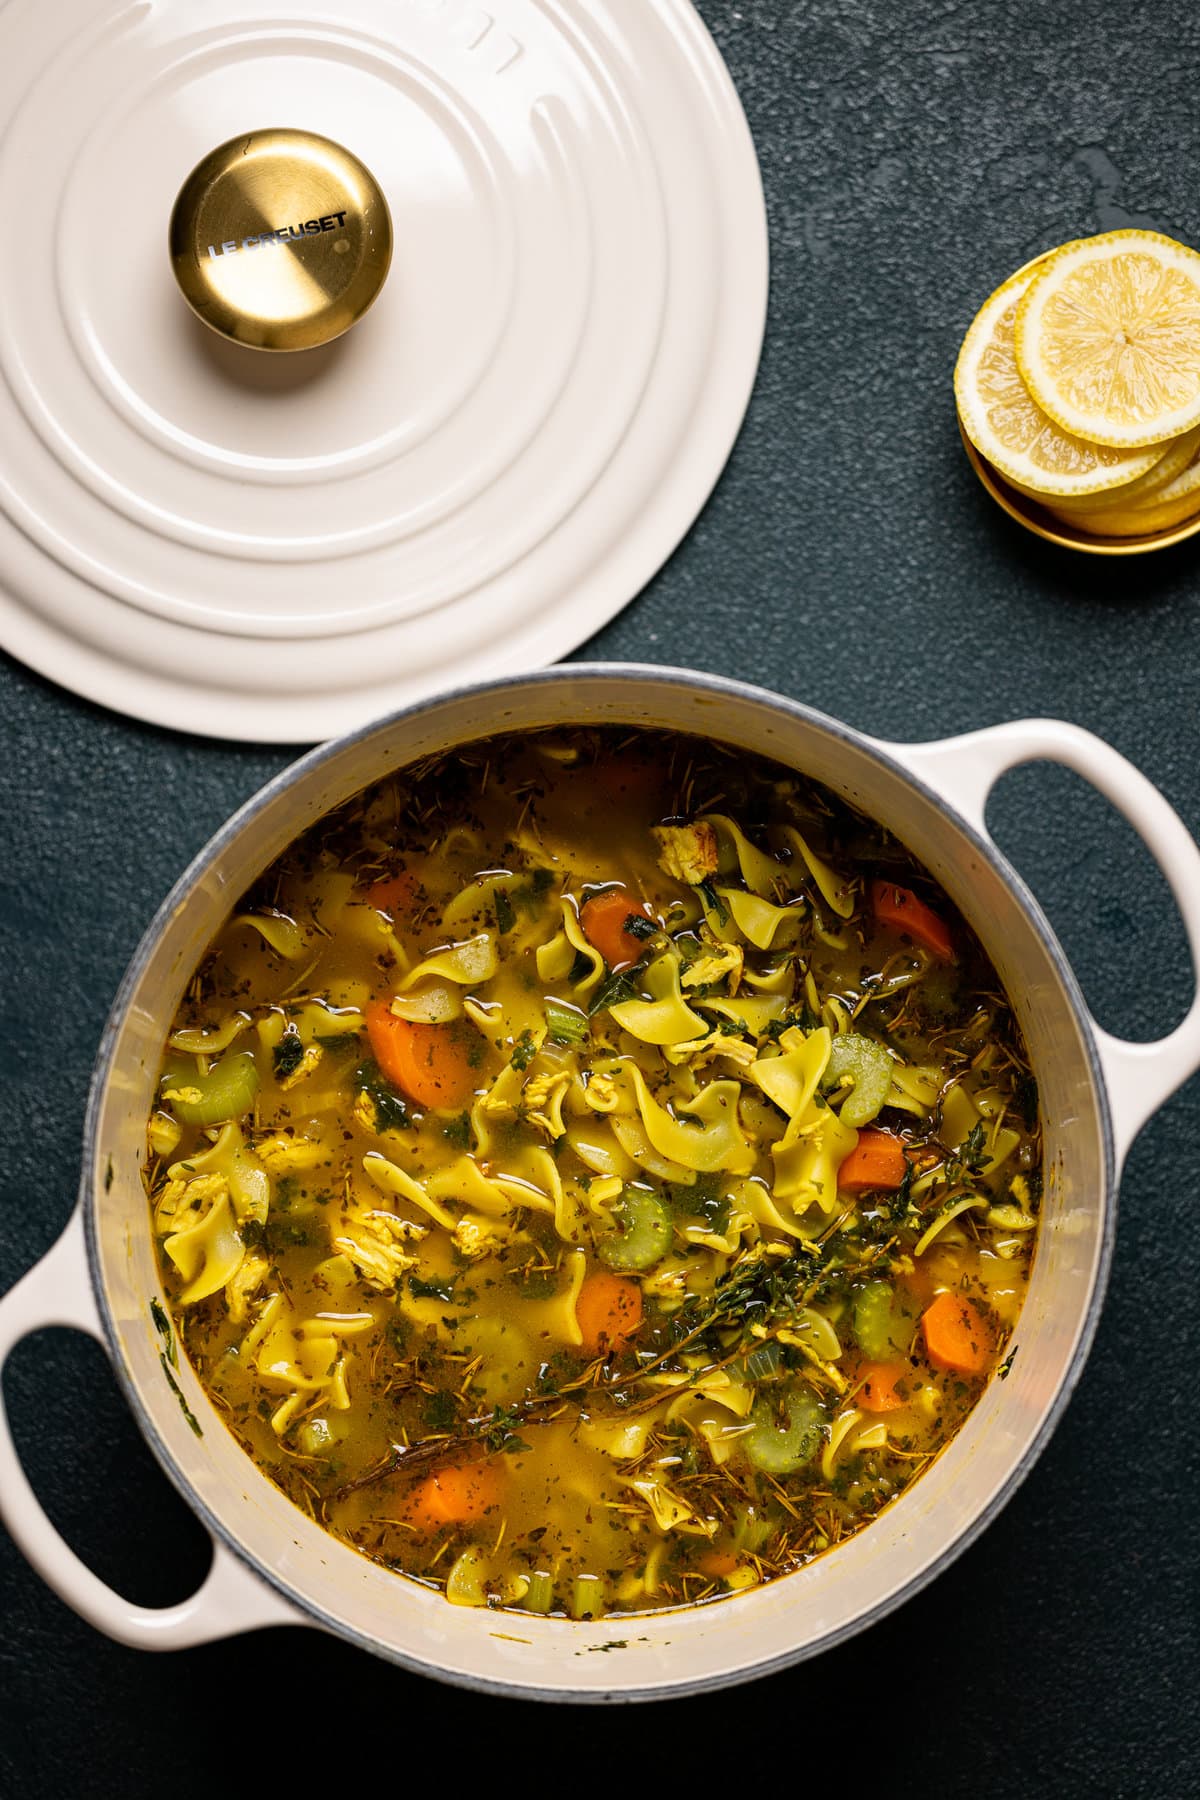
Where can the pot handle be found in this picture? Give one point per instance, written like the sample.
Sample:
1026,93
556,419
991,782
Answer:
58,1291
1138,1077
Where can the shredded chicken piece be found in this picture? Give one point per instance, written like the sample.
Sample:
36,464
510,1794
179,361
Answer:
497,1107
703,1050
377,1248
283,1151
191,1096
241,1288
687,852
723,960
363,1111
602,1093
542,1099
475,1236
197,1194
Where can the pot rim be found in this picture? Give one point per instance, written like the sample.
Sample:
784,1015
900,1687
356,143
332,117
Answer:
636,674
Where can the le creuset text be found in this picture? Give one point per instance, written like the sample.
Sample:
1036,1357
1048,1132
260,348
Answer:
286,233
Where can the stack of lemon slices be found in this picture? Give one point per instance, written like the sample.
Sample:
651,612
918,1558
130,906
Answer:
1079,382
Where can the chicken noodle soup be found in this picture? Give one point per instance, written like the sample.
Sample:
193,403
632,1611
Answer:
594,1172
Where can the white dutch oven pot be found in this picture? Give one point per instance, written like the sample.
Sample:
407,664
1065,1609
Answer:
271,1565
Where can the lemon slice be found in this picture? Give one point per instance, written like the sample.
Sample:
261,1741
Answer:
1108,338
1008,427
1159,510
1179,454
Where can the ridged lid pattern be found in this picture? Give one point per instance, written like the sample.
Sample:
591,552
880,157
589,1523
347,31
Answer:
477,476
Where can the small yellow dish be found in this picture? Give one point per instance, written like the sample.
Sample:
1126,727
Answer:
1043,523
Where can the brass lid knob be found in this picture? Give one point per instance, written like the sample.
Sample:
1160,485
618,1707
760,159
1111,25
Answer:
280,240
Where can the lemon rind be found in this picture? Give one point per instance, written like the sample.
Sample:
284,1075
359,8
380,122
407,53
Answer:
1147,489
1173,504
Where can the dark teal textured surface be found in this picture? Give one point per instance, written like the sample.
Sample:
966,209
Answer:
913,154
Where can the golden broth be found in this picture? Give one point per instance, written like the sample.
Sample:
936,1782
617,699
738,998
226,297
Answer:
594,1172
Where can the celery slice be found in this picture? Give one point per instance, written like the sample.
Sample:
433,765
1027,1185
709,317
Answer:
226,1092
782,1440
869,1066
644,1232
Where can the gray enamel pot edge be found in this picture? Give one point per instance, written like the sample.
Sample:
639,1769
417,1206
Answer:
692,1649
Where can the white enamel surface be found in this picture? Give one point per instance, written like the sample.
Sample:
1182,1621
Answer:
668,1653
1139,1077
473,479
58,1291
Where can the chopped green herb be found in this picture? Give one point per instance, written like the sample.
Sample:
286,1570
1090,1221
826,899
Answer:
279,1233
1025,1098
801,1017
639,926
702,1200
458,1131
288,1054
534,1283
611,992
441,1411
431,1290
530,896
973,1149
178,1392
524,1050
713,902
506,918
500,1435
391,1113
162,1325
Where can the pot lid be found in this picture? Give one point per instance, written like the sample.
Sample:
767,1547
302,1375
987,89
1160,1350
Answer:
474,478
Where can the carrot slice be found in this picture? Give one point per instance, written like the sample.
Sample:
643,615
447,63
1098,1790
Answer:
458,1494
878,1391
394,894
957,1336
609,1311
602,920
901,910
431,1064
876,1163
